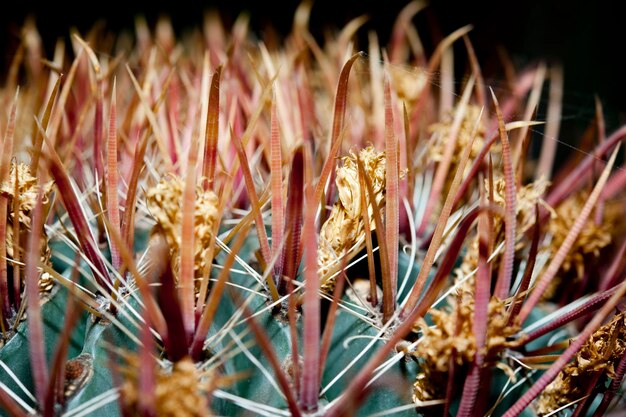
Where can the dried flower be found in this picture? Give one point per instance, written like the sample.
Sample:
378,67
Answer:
181,391
165,201
345,227
28,189
528,196
407,84
451,336
591,240
46,282
437,146
600,353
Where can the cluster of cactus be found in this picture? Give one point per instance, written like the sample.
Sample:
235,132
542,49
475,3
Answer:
228,225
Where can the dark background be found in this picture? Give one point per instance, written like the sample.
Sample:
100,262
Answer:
587,37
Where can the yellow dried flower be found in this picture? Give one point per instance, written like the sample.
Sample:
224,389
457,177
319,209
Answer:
165,204
46,282
345,227
592,238
527,197
436,147
408,84
600,353
440,131
28,189
452,332
429,385
182,392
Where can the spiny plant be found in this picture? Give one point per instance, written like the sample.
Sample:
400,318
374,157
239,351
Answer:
226,225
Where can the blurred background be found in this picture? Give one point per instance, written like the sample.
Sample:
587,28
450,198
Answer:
587,38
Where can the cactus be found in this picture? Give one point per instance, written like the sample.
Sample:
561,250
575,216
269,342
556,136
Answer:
219,225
